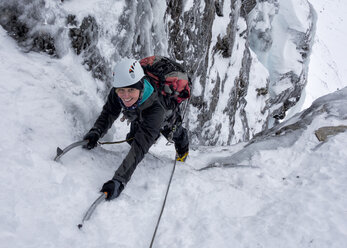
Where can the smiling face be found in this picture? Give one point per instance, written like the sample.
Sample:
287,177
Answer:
129,96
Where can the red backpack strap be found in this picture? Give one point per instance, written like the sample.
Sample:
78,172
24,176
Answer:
148,61
169,76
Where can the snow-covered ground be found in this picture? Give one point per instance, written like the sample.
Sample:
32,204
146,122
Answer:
328,70
285,191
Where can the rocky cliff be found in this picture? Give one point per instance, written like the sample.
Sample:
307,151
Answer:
248,58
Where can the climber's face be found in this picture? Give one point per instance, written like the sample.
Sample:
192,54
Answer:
129,96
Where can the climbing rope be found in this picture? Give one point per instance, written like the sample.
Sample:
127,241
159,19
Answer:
163,206
114,142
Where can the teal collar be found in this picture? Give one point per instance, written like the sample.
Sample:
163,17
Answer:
147,91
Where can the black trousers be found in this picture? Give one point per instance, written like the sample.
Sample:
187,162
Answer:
173,132
179,135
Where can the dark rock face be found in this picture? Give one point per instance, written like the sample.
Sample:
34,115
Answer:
45,43
26,22
247,6
12,21
84,40
85,36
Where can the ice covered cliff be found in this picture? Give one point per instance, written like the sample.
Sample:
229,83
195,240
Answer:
248,59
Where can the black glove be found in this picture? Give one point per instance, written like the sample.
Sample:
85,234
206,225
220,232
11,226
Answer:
92,136
113,188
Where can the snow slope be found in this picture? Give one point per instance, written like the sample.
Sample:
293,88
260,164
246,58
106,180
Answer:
284,190
327,71
277,196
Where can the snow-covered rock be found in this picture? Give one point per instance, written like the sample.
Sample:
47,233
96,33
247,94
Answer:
284,189
248,59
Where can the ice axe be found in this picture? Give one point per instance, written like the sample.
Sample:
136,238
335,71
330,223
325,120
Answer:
61,152
91,209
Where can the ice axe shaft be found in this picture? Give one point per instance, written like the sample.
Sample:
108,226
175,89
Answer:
91,209
61,152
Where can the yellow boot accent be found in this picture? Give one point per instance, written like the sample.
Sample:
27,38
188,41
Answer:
182,158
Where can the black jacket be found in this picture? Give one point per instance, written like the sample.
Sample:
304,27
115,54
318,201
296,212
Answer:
146,121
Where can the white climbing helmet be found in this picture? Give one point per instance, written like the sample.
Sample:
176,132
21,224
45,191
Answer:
126,73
